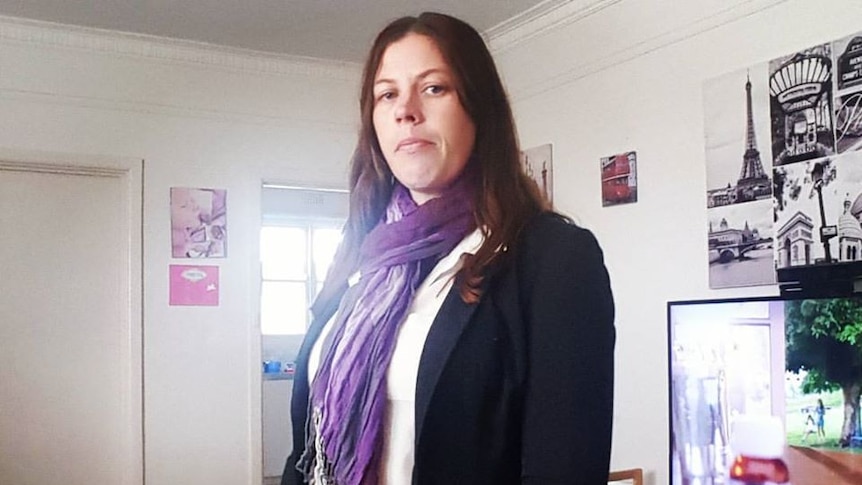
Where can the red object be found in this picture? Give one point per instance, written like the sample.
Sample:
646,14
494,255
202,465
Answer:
615,179
749,470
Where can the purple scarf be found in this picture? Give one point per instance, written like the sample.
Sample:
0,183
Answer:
348,394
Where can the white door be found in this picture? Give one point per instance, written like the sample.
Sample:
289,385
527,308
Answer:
70,321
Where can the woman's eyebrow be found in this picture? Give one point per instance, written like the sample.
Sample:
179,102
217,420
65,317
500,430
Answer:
421,75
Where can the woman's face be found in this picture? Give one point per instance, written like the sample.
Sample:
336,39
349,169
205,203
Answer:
424,132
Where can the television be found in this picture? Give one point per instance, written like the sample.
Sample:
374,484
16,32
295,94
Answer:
795,357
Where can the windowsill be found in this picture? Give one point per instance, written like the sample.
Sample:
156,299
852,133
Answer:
277,376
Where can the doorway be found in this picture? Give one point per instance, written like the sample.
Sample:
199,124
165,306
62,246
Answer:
70,320
301,229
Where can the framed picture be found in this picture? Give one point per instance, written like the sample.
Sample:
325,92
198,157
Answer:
538,164
198,223
619,179
194,285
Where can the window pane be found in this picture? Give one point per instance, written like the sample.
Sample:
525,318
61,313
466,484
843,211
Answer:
284,308
283,253
326,241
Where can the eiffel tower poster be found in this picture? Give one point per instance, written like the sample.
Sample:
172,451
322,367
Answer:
739,179
737,127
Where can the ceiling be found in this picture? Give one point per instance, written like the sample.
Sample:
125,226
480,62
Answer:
327,29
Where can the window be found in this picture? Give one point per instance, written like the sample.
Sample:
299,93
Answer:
294,261
300,232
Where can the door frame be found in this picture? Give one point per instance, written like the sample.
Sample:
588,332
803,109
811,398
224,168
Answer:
131,172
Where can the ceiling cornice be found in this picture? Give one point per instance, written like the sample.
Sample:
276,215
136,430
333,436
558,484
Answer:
567,12
544,17
50,34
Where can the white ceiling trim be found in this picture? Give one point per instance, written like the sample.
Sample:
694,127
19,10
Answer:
173,110
544,17
13,29
580,69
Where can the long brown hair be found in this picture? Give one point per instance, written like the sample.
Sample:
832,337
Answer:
505,198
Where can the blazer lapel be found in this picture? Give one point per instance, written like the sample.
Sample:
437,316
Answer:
442,337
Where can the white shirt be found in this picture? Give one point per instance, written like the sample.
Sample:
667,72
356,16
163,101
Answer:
396,466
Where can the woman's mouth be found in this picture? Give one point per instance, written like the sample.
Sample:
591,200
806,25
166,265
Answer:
412,144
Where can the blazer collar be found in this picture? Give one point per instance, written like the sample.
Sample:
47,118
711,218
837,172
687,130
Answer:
448,325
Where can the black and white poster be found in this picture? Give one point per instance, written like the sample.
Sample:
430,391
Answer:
783,138
739,179
740,245
817,210
800,91
848,95
738,161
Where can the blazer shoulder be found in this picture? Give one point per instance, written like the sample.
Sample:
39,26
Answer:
549,233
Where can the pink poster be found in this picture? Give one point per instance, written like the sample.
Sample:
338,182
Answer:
193,285
198,223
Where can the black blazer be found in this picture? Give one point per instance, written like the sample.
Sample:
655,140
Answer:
518,388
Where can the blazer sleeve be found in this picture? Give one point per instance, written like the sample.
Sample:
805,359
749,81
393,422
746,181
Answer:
568,395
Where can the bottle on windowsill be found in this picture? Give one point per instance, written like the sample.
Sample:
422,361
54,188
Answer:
758,442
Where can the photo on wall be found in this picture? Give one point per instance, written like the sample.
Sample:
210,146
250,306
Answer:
818,208
619,179
848,93
741,245
198,223
800,89
538,163
193,285
736,124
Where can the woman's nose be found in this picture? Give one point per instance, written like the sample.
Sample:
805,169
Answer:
408,110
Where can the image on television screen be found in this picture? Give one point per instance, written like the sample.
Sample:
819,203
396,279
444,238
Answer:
797,359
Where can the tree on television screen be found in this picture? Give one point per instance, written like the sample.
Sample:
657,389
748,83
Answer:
824,338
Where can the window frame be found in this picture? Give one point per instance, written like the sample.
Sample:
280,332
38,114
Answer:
311,280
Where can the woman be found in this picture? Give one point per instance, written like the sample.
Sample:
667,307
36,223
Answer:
821,419
464,335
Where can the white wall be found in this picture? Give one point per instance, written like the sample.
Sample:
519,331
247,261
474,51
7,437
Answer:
594,78
627,75
199,117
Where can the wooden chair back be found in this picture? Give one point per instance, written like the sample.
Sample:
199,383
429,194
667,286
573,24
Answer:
635,475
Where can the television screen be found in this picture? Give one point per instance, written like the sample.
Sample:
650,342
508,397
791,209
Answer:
794,358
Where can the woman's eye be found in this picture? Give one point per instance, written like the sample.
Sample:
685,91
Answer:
385,95
435,89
